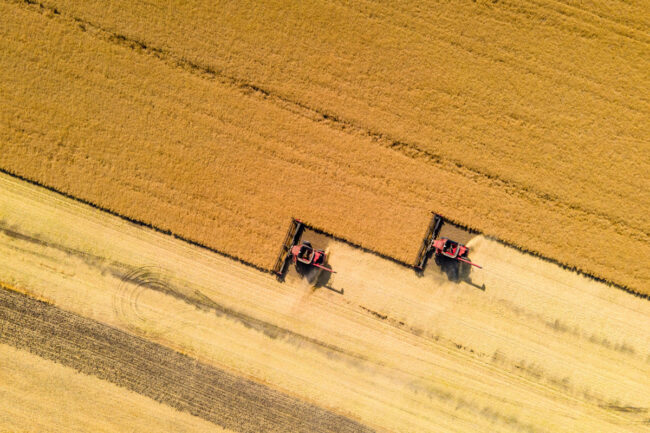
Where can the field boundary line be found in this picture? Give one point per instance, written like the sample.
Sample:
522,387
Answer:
410,150
132,220
320,231
523,250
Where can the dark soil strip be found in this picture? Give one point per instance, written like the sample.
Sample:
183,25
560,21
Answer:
158,372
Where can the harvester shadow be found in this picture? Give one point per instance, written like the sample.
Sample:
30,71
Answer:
473,284
323,279
440,276
340,292
316,277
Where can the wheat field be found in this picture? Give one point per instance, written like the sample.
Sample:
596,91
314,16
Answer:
540,349
220,122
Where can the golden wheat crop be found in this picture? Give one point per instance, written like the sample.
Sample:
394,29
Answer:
219,123
546,95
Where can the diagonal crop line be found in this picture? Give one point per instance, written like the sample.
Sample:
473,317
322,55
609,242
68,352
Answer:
629,289
410,150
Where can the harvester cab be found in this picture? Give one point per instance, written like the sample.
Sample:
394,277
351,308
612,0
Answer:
302,255
306,254
449,248
449,255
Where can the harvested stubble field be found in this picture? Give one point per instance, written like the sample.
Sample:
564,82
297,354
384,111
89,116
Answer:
36,392
157,372
527,121
540,350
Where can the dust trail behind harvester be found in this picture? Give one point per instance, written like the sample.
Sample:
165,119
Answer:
534,283
567,331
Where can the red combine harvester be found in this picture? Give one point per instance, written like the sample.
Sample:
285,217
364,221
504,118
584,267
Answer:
450,256
308,260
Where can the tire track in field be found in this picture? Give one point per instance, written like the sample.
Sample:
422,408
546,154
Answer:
157,372
594,19
411,150
135,280
125,304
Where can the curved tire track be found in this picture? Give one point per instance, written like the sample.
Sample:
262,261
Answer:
157,372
